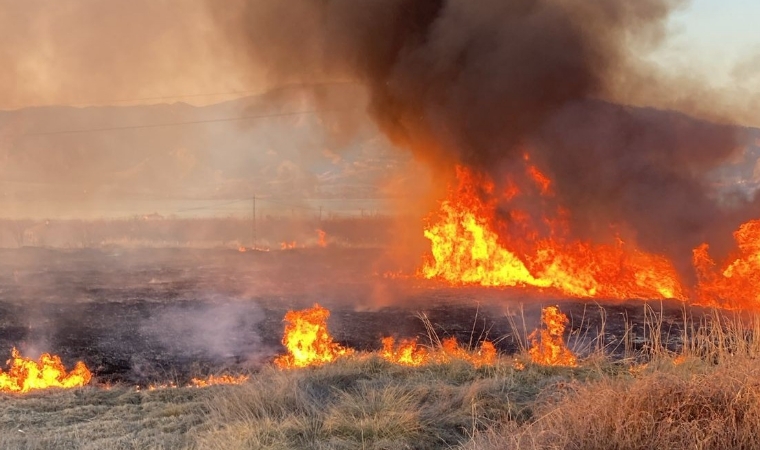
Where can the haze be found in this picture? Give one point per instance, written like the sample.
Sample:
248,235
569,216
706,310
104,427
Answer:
87,86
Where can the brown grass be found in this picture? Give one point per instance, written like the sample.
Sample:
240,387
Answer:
706,396
95,418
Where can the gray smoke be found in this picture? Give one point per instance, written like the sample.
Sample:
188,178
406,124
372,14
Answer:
478,82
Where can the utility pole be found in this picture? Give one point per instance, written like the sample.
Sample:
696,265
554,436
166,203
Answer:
253,225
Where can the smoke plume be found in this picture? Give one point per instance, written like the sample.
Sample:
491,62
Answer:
478,82
81,52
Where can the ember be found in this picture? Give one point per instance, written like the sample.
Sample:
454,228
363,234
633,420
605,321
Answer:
548,345
26,374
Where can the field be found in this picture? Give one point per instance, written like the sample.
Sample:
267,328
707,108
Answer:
650,375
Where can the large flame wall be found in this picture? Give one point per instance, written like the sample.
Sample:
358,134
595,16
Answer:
481,236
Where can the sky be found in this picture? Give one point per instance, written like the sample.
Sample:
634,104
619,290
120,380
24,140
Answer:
91,52
715,38
145,52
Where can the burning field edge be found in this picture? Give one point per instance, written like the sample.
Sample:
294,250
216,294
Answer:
648,397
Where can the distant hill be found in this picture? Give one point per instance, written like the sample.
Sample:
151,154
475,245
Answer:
69,161
276,145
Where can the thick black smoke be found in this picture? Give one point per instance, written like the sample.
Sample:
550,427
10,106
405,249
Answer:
478,82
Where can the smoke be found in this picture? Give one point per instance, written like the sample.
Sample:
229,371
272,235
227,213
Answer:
94,52
211,329
478,83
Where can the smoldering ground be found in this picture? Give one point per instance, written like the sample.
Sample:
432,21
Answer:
479,83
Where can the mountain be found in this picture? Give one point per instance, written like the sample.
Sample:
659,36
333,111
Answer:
65,160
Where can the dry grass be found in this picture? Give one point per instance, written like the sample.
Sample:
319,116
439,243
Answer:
690,406
706,396
95,418
367,403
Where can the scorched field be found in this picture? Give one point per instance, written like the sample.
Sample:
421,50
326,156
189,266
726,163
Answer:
228,349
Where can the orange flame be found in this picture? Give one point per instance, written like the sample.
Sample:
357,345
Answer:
26,374
486,354
410,353
406,352
307,340
736,282
550,349
288,245
321,238
472,244
214,380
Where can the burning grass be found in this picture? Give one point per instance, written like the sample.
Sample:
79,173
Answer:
704,396
25,374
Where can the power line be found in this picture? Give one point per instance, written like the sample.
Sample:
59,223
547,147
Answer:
169,97
212,207
191,122
105,103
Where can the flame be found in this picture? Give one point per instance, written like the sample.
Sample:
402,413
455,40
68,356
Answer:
550,349
309,343
214,380
321,238
406,352
736,282
242,249
410,353
484,356
26,374
288,245
471,243
307,340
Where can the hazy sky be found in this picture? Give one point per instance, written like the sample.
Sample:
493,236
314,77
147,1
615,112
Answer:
718,38
80,52
126,52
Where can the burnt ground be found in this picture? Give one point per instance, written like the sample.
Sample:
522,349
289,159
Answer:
159,315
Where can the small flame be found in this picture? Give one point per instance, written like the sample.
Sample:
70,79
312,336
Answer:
409,353
288,245
26,374
321,238
242,249
307,340
550,349
214,380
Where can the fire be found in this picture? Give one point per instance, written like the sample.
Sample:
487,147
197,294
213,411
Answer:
472,242
288,245
736,282
406,352
550,349
309,344
321,238
485,356
214,380
410,353
242,249
26,374
307,340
